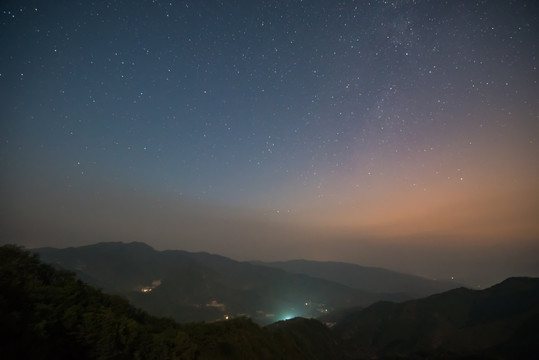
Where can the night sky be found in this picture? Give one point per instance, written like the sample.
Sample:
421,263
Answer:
400,134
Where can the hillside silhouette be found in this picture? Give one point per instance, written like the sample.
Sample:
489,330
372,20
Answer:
200,286
62,317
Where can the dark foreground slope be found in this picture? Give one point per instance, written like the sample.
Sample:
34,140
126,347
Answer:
501,322
203,287
314,339
49,314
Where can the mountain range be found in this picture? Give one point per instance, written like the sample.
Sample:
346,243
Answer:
371,279
63,317
47,314
499,322
202,287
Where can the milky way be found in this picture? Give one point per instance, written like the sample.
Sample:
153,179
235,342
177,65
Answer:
263,129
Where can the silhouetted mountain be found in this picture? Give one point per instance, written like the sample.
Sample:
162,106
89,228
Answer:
48,314
311,336
370,279
501,322
200,286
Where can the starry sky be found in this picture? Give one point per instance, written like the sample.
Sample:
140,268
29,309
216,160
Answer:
402,134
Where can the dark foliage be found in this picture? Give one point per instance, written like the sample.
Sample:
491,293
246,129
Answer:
302,333
191,280
496,323
48,314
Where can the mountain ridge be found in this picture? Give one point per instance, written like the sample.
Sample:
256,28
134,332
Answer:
203,286
367,278
49,314
457,323
499,322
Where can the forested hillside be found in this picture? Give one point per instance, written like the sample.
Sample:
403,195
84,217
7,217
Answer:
48,314
501,322
203,287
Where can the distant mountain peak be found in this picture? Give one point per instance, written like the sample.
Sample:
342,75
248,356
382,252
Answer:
370,279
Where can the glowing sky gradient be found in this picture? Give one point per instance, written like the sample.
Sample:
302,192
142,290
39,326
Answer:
402,134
